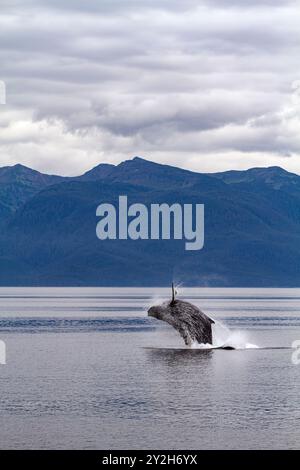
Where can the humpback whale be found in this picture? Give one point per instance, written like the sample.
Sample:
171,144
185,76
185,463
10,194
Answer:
192,324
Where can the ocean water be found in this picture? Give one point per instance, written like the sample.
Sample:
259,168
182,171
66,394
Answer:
87,369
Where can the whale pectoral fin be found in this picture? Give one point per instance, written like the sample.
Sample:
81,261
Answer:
184,333
196,330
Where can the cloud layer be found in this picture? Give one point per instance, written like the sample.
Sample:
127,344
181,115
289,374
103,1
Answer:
205,85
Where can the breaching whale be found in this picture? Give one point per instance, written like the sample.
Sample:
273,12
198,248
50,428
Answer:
192,324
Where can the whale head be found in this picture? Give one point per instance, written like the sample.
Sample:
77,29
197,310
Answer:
164,311
161,312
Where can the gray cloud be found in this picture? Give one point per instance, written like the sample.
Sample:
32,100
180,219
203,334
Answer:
189,83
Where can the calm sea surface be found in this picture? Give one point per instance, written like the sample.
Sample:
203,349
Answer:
86,368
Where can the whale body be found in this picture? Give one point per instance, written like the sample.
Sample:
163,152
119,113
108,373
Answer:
192,324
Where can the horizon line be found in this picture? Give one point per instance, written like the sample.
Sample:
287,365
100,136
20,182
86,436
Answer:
115,165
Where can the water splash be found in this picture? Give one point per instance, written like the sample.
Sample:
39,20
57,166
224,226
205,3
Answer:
223,337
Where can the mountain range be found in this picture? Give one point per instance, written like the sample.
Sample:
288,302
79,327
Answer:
48,228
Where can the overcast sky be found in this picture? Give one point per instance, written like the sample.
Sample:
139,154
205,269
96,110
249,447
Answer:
205,85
